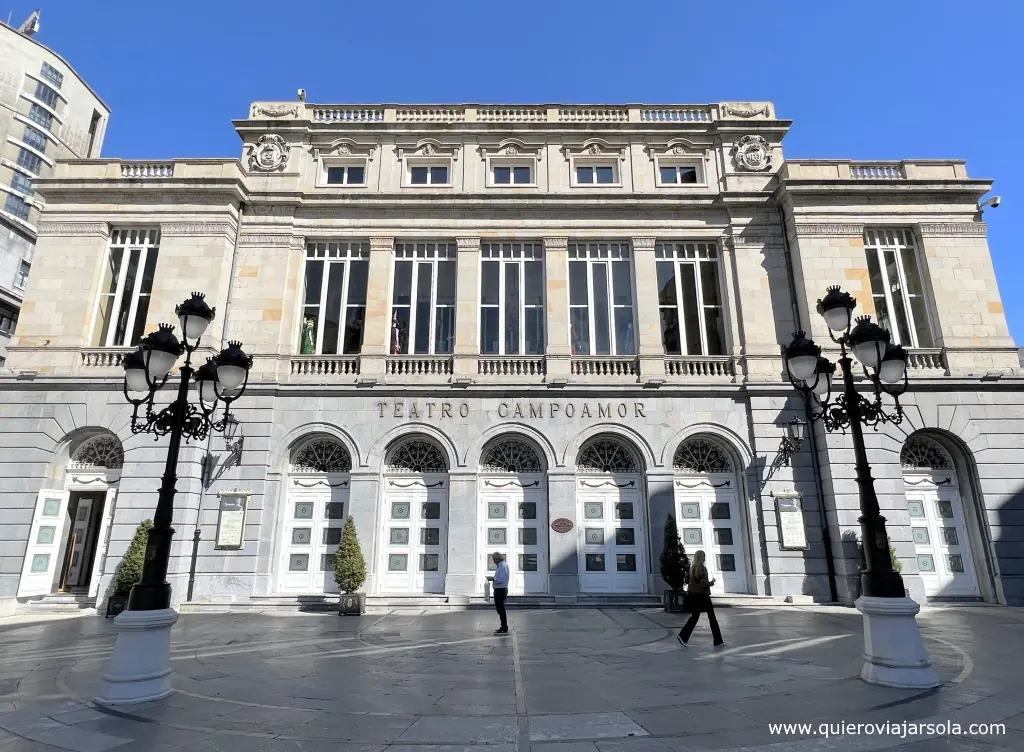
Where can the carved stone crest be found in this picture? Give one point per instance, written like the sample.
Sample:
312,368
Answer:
268,154
593,149
428,149
753,154
679,149
511,150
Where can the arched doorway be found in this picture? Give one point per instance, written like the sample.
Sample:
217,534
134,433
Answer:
937,522
415,530
708,511
609,507
67,543
514,504
314,516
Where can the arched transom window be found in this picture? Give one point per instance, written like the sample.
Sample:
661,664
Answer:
99,451
322,456
606,456
511,456
700,456
922,452
417,456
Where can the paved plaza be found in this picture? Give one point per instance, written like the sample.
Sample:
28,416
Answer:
565,680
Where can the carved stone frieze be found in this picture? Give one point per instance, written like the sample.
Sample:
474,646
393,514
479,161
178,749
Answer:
275,111
73,228
345,147
643,244
958,228
253,239
468,244
556,244
595,147
381,244
746,110
268,154
201,229
822,230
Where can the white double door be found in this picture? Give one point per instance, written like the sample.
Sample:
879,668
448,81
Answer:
415,534
939,532
514,510
611,540
314,520
708,519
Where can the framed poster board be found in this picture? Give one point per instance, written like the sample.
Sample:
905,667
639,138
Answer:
231,519
792,533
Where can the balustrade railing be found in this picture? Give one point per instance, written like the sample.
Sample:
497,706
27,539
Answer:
430,115
141,170
605,367
106,357
926,359
325,365
699,366
512,115
511,366
419,365
676,115
876,172
593,115
347,115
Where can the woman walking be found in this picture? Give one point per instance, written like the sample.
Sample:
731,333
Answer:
698,599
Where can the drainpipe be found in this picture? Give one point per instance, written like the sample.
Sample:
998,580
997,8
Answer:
826,533
207,461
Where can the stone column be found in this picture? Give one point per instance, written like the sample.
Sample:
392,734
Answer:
661,502
556,280
564,576
377,331
463,513
648,320
467,305
363,507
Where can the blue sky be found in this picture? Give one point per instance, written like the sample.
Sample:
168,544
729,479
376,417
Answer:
863,80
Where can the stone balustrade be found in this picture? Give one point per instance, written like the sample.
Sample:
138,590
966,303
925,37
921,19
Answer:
505,366
605,367
325,365
892,171
103,357
920,359
419,366
144,170
698,366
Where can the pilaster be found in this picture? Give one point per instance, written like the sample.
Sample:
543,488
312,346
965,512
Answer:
556,280
564,576
363,508
650,347
661,503
467,306
376,333
460,579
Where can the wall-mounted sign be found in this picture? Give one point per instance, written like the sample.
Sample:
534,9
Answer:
792,533
231,519
561,525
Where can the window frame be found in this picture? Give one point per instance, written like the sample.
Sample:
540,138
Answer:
327,163
25,153
512,162
677,253
31,129
409,251
355,250
608,261
52,75
46,101
900,235
676,163
150,242
33,116
595,162
21,276
17,200
428,162
15,176
537,255
9,314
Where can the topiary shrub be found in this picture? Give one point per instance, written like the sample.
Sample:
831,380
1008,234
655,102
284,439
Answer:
129,571
675,564
349,565
862,564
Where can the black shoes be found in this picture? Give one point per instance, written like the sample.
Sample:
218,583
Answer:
681,640
501,631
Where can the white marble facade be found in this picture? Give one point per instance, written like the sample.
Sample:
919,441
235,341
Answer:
447,430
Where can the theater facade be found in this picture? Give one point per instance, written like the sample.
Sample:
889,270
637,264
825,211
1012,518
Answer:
540,330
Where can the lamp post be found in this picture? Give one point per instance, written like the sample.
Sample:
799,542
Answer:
790,445
894,652
139,669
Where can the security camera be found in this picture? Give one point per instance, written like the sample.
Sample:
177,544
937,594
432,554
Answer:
302,95
993,202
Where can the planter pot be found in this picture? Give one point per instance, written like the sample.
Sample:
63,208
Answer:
116,604
673,601
351,604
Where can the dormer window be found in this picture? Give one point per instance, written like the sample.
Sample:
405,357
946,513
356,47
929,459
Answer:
680,163
428,175
511,163
428,164
344,163
346,175
596,163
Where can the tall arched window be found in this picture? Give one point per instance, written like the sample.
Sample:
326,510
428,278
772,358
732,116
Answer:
700,456
103,450
606,456
322,456
511,456
417,456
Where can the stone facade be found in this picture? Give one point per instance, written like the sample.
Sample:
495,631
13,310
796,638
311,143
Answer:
68,122
244,232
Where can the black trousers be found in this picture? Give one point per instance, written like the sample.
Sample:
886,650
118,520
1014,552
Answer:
500,594
697,603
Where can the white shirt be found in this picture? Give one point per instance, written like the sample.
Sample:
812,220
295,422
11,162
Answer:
501,575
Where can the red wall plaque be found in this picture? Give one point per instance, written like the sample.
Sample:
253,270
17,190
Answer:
561,525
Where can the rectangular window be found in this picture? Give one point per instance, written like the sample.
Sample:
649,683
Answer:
34,138
346,175
28,160
511,299
21,279
423,300
17,206
334,301
52,75
428,175
678,174
41,116
513,175
8,320
601,299
21,183
125,288
595,174
690,299
896,286
46,95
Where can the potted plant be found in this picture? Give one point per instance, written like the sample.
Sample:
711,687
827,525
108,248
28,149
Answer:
129,571
350,571
675,568
862,562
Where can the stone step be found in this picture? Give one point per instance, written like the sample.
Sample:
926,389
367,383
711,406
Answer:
59,603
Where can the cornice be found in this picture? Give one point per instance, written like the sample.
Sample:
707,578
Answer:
96,229
278,240
197,229
948,229
829,230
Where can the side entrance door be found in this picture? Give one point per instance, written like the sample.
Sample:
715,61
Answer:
42,554
939,531
515,524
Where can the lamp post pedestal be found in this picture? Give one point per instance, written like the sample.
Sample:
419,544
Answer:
894,653
140,668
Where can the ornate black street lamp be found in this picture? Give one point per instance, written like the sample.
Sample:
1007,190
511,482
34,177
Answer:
885,367
146,370
790,445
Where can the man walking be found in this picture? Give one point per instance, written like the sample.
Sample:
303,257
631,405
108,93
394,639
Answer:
500,591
